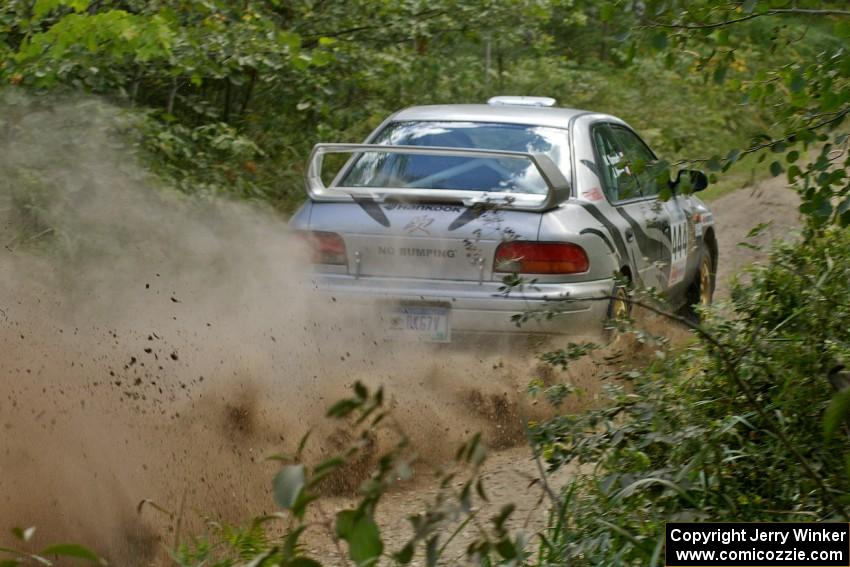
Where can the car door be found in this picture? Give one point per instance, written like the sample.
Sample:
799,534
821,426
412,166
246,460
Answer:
667,221
622,189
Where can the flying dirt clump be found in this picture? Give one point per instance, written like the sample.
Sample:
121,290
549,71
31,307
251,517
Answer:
155,345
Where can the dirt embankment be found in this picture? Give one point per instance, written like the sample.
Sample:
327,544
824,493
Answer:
162,348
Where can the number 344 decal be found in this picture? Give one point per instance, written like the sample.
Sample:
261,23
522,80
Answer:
680,234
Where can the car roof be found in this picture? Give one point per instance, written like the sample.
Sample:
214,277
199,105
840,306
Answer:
512,114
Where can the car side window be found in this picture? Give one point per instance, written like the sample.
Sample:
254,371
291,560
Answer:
635,152
617,180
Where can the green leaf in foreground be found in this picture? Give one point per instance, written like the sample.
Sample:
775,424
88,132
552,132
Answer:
835,413
758,229
797,83
288,484
362,534
70,550
405,555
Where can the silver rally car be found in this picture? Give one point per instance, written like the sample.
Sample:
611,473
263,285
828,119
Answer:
426,219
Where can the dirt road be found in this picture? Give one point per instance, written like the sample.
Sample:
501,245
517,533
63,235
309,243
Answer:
738,212
159,356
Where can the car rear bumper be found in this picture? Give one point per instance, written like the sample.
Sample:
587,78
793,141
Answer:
477,308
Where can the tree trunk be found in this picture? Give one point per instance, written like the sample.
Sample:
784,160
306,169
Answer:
227,95
251,83
171,96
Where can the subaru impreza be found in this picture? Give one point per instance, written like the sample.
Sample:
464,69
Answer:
459,219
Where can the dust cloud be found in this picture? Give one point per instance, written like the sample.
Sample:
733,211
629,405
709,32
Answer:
159,346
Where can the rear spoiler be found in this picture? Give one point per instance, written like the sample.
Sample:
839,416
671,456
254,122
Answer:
558,186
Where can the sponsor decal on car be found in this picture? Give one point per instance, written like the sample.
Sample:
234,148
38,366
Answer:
679,242
422,207
417,252
419,225
594,194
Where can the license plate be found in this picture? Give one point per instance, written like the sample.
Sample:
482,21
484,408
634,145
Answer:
420,322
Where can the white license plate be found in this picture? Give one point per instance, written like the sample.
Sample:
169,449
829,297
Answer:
419,322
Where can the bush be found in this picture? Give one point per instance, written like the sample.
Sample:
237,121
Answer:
739,426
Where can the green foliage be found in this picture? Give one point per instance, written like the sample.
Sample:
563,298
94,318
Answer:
729,429
236,94
789,57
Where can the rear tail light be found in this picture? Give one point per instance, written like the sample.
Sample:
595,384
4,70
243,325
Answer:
326,248
540,258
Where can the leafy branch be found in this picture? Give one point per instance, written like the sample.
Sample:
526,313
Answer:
728,357
771,12
735,155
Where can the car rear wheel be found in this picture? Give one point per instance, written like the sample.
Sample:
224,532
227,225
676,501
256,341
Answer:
701,291
620,305
620,309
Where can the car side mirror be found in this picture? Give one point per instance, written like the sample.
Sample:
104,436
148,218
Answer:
692,179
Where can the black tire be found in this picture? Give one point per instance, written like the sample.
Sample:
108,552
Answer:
701,291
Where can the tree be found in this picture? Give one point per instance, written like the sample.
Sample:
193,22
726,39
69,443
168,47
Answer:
802,74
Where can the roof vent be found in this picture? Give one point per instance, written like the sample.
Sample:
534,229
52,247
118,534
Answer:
522,101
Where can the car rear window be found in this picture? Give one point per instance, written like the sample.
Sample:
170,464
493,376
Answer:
509,175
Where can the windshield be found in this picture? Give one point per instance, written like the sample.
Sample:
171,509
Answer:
496,174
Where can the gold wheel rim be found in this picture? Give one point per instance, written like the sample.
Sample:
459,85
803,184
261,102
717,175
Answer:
705,281
621,306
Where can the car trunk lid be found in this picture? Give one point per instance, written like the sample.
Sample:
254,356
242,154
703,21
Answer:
422,240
